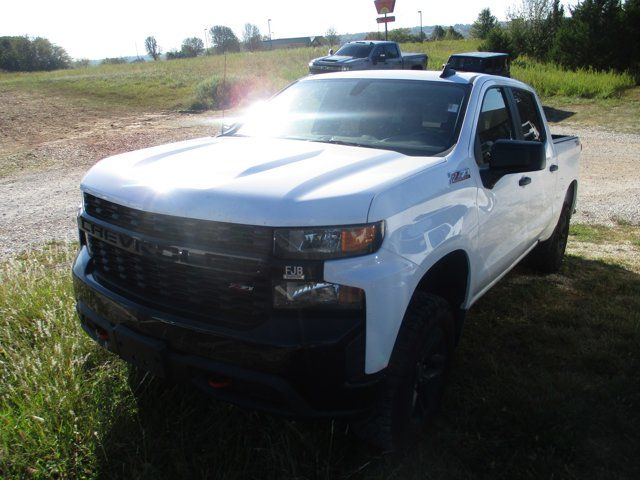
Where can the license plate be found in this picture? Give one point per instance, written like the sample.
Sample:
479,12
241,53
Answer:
143,352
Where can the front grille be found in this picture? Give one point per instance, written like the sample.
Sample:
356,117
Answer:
326,68
215,236
233,289
240,297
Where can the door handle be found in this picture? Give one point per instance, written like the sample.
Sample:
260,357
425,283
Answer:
524,181
553,168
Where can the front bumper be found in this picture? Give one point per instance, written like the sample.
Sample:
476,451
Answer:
294,364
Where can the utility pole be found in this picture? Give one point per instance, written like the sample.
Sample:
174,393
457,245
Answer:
421,34
270,40
206,41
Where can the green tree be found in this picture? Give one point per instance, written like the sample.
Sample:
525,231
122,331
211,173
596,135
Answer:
533,27
151,45
251,37
81,63
192,47
498,40
453,34
401,35
484,24
595,36
28,55
631,19
224,40
438,33
332,37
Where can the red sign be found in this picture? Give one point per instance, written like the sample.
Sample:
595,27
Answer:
385,19
384,6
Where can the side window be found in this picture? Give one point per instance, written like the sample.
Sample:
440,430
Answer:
529,115
494,123
391,51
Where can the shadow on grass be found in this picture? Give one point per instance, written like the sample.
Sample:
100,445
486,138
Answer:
556,115
545,384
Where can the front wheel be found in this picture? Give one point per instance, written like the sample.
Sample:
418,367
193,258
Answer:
415,378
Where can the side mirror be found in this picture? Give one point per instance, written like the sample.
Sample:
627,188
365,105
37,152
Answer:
516,156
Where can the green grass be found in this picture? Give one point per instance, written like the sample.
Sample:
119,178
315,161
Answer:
550,80
599,234
545,384
178,84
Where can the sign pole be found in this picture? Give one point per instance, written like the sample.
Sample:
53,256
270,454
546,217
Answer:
385,28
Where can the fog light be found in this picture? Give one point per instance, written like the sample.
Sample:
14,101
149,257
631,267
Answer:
316,295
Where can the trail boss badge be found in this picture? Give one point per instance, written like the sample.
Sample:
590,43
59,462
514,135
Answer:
459,176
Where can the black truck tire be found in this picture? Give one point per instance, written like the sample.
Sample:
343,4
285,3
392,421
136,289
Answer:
415,378
547,256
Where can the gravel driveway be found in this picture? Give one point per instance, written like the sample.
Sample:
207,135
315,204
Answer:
46,146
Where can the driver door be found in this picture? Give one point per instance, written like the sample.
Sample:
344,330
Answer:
379,57
504,212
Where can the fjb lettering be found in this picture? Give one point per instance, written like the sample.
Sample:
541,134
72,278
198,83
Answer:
293,272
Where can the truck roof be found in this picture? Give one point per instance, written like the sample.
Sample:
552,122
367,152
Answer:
480,54
369,42
464,78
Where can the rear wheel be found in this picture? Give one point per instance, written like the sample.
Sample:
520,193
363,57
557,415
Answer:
548,255
415,378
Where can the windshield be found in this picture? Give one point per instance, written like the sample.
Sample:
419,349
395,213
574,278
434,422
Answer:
413,117
355,50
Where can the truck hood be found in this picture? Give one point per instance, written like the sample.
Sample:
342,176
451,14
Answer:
256,181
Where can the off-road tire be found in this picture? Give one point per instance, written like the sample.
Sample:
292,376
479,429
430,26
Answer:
398,417
547,256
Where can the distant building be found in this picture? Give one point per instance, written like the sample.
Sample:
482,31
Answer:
297,42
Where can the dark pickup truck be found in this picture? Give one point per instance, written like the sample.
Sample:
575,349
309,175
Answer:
492,63
369,55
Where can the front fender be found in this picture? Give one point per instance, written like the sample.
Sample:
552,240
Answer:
433,218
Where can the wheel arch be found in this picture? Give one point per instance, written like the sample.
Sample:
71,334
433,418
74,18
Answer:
450,278
572,194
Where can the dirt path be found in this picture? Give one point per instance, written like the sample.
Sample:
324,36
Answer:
46,146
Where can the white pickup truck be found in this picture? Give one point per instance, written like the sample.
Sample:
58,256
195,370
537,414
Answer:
318,258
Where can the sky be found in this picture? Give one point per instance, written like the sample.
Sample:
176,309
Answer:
89,29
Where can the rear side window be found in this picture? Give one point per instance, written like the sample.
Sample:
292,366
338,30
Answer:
532,128
495,122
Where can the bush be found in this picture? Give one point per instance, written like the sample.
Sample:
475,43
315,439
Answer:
220,94
114,61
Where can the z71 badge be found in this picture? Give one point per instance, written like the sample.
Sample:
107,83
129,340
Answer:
459,176
293,273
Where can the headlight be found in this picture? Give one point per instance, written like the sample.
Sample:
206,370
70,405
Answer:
317,295
330,242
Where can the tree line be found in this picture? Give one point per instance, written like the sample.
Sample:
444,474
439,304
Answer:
223,40
404,35
24,54
599,34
